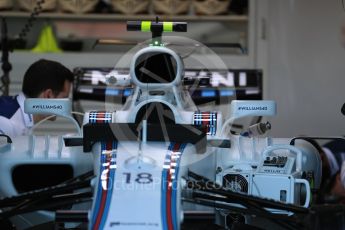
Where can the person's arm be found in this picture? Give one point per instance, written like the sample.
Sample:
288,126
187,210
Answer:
6,127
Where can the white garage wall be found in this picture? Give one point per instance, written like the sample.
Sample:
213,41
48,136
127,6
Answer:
306,66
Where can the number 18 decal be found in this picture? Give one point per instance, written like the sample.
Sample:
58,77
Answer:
140,178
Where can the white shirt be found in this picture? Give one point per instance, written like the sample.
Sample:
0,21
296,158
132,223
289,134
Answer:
15,122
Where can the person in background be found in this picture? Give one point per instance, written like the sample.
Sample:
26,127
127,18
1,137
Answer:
43,79
334,172
330,198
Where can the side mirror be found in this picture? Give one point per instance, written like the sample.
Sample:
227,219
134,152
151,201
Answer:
59,107
240,108
243,108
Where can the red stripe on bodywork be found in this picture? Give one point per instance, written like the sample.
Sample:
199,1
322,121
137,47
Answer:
169,190
104,192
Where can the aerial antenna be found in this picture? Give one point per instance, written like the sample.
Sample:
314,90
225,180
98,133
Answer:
156,28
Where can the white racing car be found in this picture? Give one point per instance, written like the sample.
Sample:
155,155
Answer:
158,162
